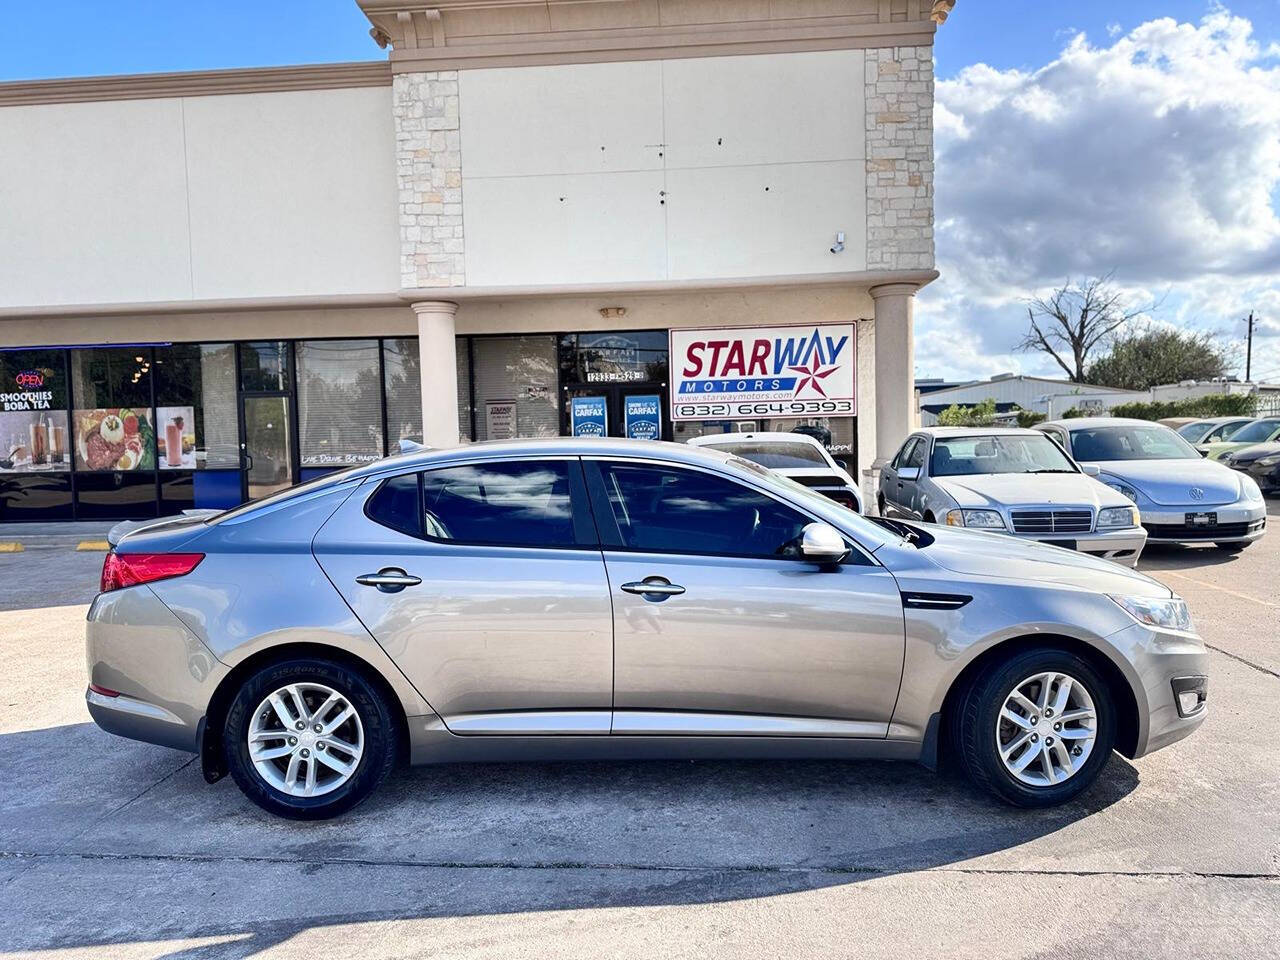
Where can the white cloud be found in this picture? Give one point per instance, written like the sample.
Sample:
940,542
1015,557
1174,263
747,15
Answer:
1156,156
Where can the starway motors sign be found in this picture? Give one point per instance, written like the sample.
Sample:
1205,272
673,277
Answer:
741,373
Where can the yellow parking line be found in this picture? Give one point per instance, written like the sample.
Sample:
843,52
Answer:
93,545
11,546
1214,586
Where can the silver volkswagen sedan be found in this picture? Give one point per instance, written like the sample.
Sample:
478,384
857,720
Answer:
600,598
1008,480
1183,498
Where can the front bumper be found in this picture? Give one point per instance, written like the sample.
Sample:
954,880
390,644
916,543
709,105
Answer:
163,675
1123,545
1267,478
1158,658
1239,522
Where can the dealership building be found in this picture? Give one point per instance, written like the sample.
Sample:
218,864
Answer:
648,218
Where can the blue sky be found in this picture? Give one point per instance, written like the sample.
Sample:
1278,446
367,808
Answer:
1074,138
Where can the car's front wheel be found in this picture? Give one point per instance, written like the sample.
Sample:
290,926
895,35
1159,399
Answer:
1035,729
309,738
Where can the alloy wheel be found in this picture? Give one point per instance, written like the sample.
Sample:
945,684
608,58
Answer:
306,739
1046,729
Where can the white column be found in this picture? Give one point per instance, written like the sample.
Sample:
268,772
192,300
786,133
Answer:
437,353
895,367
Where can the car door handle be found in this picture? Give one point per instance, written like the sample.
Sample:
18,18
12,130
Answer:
389,579
654,587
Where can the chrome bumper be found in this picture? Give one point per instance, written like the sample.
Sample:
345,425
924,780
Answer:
1123,545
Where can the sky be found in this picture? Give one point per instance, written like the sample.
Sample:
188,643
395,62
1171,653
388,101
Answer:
1138,138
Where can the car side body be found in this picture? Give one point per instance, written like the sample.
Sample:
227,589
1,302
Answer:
488,651
1064,508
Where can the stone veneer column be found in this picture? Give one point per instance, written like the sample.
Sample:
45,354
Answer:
436,360
895,376
899,118
429,176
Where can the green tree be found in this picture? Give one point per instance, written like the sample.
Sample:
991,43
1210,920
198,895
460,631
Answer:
979,415
1141,359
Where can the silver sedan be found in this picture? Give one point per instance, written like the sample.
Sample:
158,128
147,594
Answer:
1008,480
1183,498
620,599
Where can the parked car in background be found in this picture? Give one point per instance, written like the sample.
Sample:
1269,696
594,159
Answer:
1008,480
797,456
1176,423
578,599
1201,433
1266,430
1260,461
1183,497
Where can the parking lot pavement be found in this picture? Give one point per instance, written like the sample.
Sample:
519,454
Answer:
115,849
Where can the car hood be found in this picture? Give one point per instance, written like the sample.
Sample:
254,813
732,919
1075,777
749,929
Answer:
1255,452
976,554
1014,489
1214,451
1170,481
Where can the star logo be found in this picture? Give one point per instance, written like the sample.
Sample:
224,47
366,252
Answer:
812,375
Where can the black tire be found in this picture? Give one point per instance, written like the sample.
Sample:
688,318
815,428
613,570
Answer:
880,505
376,716
1232,547
973,725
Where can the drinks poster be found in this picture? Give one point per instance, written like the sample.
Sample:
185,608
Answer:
176,438
34,441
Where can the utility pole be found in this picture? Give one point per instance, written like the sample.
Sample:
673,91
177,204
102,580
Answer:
1248,351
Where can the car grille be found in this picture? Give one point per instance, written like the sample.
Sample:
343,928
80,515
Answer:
1181,531
1052,521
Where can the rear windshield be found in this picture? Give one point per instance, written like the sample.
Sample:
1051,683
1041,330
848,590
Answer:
1130,442
329,479
777,454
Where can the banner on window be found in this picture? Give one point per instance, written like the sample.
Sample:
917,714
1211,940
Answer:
643,417
745,373
587,417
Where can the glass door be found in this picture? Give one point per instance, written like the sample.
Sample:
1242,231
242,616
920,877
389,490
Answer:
268,449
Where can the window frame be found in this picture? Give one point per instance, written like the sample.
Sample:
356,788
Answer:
581,518
611,538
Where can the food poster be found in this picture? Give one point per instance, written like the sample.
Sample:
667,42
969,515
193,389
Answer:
114,438
176,438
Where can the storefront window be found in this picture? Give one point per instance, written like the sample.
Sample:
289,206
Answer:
621,356
35,444
264,365
114,428
339,402
403,385
196,425
515,387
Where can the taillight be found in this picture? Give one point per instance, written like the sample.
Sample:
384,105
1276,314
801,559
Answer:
130,569
842,497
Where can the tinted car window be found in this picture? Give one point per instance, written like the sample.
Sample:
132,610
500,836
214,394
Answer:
667,510
397,504
775,454
525,504
1256,432
916,457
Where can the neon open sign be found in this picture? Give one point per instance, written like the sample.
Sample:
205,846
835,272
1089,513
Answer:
30,379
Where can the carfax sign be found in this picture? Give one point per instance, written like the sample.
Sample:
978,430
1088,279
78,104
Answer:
643,417
587,417
742,373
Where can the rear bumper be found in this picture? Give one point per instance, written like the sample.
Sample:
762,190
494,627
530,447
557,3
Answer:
164,675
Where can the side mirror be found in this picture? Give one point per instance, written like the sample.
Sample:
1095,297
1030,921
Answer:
821,543
1090,469
908,473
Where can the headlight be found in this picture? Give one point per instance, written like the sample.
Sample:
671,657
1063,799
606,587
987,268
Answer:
1121,488
1117,517
1250,489
1166,614
981,519
1269,461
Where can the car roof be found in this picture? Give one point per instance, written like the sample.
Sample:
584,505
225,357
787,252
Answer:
1078,423
712,439
1238,416
976,431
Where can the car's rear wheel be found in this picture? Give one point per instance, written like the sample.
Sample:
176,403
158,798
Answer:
309,738
1035,729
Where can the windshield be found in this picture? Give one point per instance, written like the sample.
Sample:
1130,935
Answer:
1255,432
1194,432
965,456
1130,442
775,454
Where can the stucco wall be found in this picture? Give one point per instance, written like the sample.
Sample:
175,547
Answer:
198,198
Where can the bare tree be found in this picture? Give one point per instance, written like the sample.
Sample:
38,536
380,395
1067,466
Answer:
1075,320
